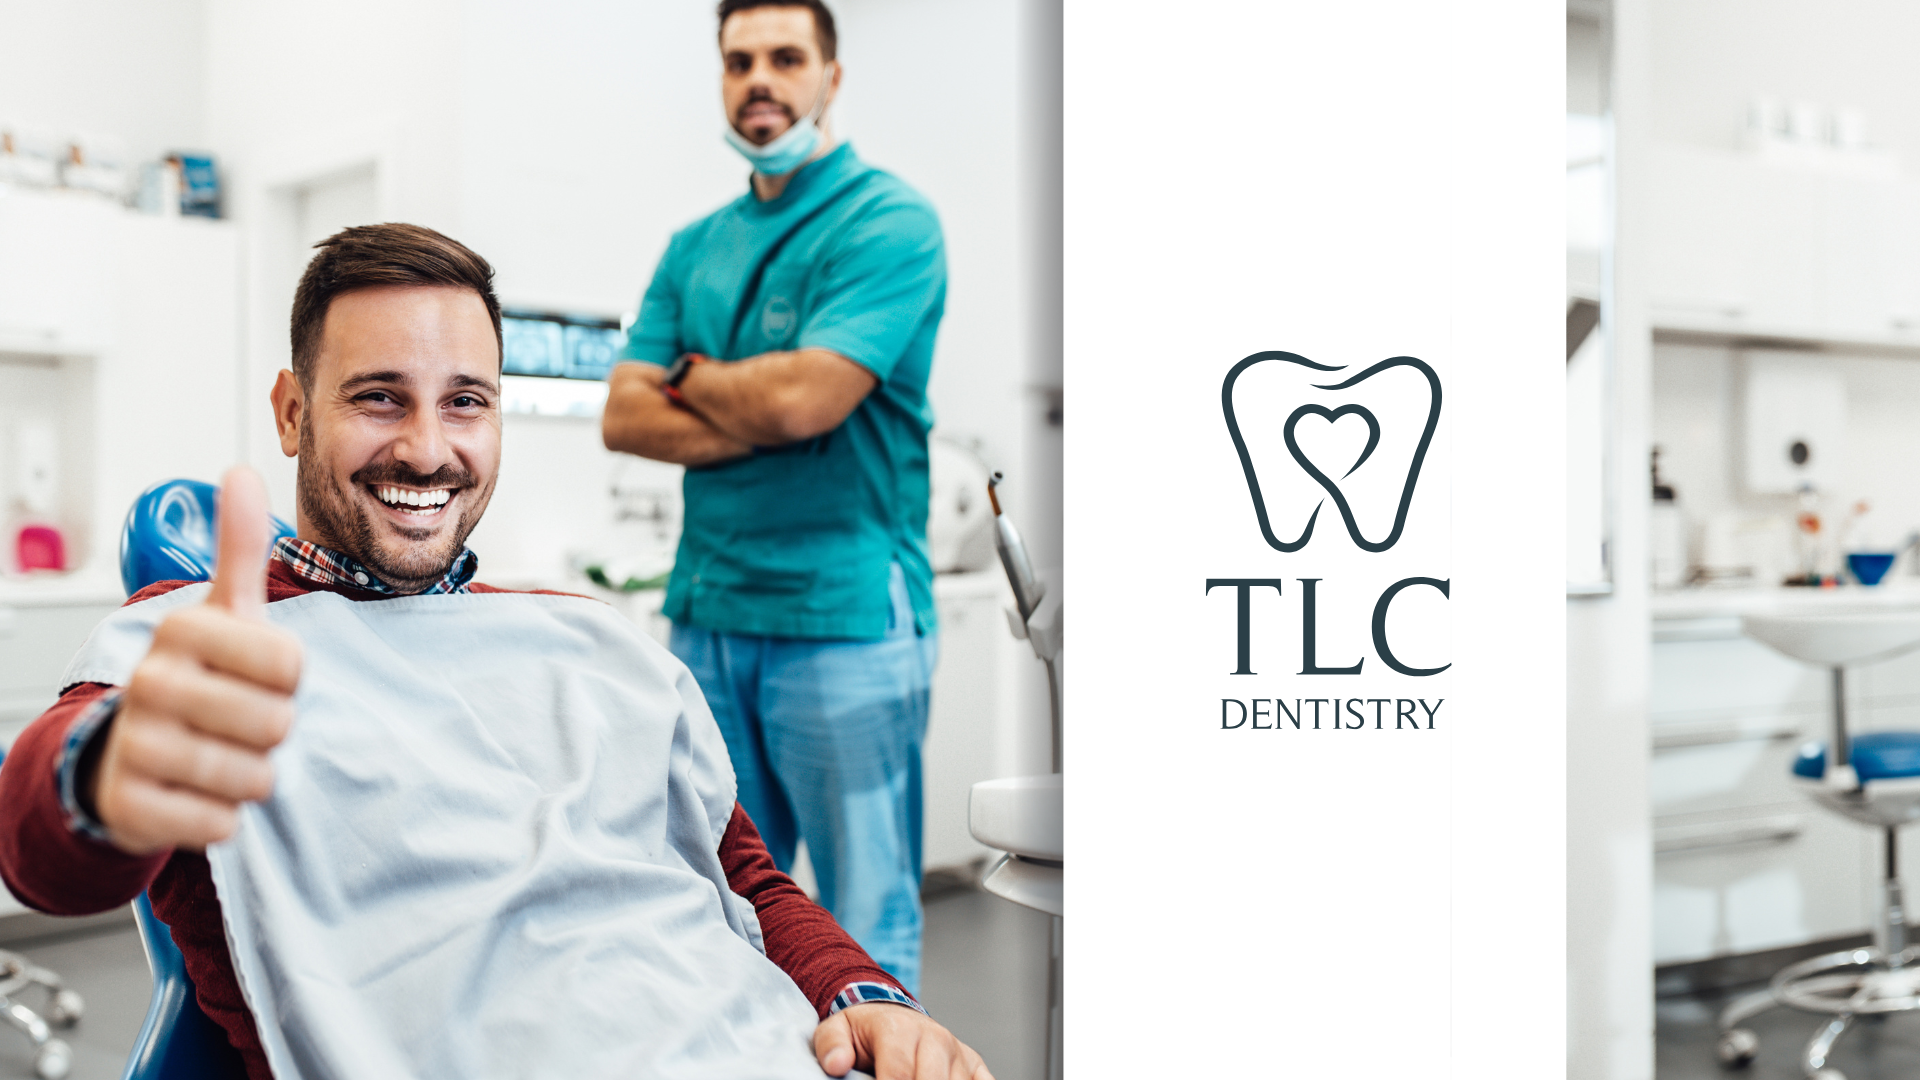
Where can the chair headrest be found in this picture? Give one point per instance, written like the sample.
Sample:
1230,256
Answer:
170,534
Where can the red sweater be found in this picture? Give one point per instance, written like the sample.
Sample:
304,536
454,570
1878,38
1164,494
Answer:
57,870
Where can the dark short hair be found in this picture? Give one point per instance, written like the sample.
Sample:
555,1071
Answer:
369,256
823,31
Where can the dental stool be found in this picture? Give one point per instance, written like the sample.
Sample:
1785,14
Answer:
1858,777
52,1057
169,536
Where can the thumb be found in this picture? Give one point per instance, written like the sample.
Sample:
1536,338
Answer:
833,1045
240,564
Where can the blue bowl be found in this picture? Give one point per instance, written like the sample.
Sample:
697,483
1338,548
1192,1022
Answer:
1869,567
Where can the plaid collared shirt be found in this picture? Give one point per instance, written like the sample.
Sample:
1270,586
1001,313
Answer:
327,567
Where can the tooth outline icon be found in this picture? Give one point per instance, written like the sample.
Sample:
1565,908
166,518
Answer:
1331,487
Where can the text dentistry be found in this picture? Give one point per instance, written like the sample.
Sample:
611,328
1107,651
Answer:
1318,714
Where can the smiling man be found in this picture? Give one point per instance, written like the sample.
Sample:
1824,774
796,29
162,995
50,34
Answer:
405,824
783,351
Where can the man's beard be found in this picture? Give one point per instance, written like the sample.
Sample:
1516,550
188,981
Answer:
343,523
756,97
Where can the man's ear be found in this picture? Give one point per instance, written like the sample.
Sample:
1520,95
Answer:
288,402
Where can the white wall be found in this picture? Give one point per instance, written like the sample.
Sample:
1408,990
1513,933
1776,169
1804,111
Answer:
127,68
1709,57
1609,836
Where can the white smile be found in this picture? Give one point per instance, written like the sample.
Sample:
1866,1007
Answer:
410,501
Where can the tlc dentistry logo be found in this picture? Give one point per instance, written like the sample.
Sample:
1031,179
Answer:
1333,462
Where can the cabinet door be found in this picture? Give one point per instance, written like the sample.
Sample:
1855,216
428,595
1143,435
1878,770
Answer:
1734,245
1696,211
56,273
969,709
1771,877
35,645
1728,678
1723,766
1860,244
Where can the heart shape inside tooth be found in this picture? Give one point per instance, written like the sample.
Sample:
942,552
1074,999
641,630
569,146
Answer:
1332,416
1331,486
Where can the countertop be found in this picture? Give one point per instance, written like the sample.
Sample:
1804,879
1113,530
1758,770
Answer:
80,587
1692,614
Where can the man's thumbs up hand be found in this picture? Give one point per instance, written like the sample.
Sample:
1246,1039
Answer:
240,560
212,697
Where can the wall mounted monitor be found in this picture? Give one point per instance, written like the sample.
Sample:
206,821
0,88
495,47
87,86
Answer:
559,346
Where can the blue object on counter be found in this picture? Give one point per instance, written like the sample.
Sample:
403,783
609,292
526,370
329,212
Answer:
1870,566
199,185
1876,755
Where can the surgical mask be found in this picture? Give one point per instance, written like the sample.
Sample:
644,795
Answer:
794,146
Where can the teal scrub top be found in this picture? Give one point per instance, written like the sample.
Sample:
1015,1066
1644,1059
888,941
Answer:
797,540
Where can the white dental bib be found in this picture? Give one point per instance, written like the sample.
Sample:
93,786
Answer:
491,851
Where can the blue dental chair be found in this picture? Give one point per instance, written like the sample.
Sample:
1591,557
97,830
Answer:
169,536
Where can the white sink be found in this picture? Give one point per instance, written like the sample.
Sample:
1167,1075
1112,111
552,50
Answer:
1022,815
1834,637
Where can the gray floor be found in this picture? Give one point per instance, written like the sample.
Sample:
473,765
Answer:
986,974
1873,1049
109,970
986,978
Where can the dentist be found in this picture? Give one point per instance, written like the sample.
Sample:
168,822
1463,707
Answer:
782,354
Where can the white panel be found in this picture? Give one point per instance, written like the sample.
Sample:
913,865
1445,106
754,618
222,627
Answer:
1789,402
963,744
1746,896
1300,194
1738,676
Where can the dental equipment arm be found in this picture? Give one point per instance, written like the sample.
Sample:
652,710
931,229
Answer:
640,420
778,397
1039,619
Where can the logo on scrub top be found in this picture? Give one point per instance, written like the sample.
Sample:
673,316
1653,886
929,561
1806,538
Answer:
778,318
1322,448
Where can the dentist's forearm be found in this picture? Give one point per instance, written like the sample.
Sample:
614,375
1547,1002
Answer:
640,420
779,397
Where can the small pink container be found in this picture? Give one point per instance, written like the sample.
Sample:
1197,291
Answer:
40,547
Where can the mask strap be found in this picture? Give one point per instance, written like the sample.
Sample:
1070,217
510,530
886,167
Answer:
820,100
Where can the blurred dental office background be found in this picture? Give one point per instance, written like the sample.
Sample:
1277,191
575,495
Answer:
165,166
1743,404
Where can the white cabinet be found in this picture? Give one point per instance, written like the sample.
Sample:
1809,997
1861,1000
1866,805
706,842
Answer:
39,634
56,272
978,729
1745,247
122,331
42,624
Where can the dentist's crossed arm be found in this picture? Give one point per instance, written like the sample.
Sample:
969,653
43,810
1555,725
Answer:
213,695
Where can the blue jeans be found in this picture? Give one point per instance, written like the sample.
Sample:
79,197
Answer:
825,739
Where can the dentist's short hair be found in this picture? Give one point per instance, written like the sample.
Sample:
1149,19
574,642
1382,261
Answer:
370,256
823,31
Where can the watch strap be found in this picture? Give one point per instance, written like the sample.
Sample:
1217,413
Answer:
680,367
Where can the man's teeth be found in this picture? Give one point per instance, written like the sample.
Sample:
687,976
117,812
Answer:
426,502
